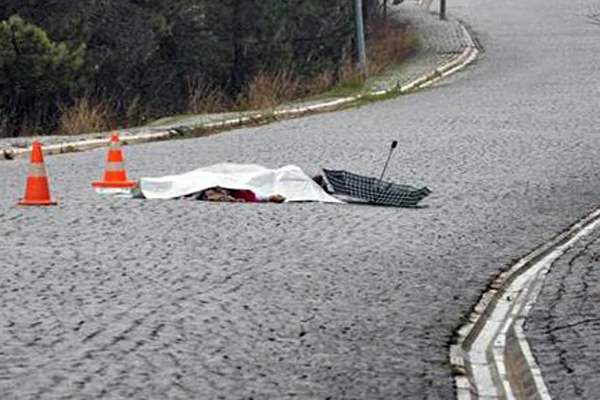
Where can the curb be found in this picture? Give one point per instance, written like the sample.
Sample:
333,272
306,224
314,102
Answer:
492,358
265,116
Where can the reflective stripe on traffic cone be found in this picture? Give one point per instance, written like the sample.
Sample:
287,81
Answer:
37,192
114,173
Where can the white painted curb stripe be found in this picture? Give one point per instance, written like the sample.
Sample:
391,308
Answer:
492,349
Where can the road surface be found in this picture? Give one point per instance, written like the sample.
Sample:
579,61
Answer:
115,298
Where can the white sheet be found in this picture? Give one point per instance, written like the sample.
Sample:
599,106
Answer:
289,181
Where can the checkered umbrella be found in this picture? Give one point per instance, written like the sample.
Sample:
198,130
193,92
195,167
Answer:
373,190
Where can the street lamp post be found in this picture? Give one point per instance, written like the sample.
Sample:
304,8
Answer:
360,39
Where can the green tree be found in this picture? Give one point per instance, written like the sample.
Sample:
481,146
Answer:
36,74
146,52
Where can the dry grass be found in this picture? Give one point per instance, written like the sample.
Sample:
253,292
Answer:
134,109
391,42
204,96
268,89
320,83
348,72
84,116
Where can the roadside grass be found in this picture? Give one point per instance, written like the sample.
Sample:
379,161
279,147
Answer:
389,44
268,89
84,116
204,96
349,87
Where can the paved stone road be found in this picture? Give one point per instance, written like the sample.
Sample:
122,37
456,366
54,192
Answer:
564,326
113,298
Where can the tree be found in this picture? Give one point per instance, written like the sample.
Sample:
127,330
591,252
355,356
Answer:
144,53
35,73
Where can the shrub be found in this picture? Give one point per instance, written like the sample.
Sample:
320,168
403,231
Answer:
35,73
204,96
390,43
84,116
268,89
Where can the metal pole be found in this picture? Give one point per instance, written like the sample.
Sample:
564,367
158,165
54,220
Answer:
442,9
360,39
394,144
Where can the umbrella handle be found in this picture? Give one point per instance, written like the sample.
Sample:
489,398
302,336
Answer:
394,144
392,147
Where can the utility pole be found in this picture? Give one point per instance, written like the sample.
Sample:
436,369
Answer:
442,9
360,39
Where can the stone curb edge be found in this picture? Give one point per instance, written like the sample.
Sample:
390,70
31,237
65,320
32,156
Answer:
469,53
525,372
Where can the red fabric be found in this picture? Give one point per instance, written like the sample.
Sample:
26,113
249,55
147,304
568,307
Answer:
246,195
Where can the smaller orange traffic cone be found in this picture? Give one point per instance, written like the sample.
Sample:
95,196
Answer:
115,176
37,192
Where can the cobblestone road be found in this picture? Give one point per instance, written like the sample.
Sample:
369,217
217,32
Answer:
113,298
564,326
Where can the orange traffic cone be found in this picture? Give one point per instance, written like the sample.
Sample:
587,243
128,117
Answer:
37,192
115,176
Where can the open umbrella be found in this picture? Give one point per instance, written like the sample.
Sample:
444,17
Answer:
374,191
